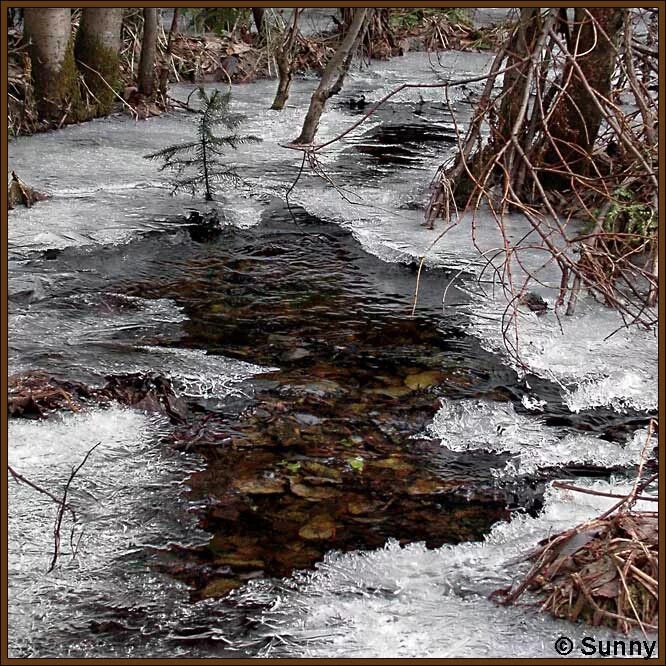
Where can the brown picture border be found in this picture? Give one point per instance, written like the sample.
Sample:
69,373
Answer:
4,659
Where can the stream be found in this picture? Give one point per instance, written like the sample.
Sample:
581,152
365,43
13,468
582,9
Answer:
349,479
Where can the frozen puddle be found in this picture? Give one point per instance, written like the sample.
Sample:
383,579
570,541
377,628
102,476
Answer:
413,602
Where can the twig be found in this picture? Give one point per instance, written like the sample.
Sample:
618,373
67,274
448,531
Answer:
599,493
22,479
61,511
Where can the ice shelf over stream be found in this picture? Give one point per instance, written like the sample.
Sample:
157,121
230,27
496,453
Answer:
103,191
467,425
414,602
128,496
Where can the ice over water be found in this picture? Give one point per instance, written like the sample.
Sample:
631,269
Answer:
467,425
392,602
128,496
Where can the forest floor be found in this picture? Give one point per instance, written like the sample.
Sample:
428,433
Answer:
242,56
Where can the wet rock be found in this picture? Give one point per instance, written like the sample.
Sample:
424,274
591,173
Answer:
361,506
149,392
423,380
431,487
320,528
307,419
204,227
267,486
395,463
219,588
296,354
392,391
323,388
313,493
320,470
239,563
534,302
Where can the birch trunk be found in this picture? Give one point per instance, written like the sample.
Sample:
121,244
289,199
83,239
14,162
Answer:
332,78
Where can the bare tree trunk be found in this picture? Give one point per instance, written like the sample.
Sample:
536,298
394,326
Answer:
148,52
284,59
164,69
97,51
522,45
577,118
54,73
258,16
332,78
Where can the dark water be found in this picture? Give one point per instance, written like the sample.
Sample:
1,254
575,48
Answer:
323,457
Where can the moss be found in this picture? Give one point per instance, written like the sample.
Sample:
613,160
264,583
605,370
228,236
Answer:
58,91
68,88
105,79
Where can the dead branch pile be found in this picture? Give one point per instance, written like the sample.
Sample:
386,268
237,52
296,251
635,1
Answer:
568,138
21,193
37,395
439,30
605,573
21,112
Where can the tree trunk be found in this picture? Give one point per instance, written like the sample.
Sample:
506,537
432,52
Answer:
577,118
522,45
164,68
97,51
284,59
258,16
148,52
54,73
332,78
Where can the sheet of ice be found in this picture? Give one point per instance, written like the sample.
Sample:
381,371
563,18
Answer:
467,425
83,340
414,602
126,497
103,190
71,335
596,361
195,373
392,602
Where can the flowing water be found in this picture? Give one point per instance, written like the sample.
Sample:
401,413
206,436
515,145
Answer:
350,480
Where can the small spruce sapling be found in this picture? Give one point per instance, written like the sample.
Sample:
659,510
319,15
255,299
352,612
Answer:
200,163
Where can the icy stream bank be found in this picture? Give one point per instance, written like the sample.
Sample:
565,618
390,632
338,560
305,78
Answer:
414,602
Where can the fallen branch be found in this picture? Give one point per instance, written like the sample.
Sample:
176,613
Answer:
61,510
